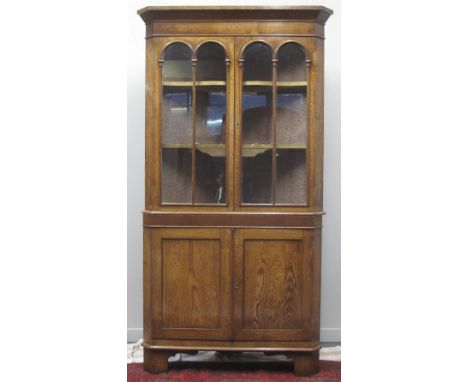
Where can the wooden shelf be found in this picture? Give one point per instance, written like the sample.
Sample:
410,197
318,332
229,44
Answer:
248,150
190,83
213,149
251,150
278,83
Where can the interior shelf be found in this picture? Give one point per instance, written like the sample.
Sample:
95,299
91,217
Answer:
212,149
190,83
219,149
252,150
278,83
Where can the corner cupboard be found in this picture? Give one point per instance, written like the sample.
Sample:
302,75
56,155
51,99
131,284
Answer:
234,158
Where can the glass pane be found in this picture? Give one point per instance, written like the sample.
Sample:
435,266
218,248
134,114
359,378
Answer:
291,126
256,115
211,62
256,177
257,144
176,156
291,176
258,62
210,146
176,176
292,63
291,116
211,115
177,115
210,134
210,175
177,65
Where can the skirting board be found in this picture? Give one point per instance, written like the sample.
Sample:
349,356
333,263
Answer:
326,334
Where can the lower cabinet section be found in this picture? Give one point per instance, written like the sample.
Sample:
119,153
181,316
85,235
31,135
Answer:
231,289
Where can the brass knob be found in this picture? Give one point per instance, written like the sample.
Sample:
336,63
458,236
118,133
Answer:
236,285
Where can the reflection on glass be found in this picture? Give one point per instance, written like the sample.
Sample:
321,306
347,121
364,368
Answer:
258,62
177,65
176,119
257,96
210,176
176,115
176,177
210,132
256,115
291,63
291,176
291,116
256,177
291,125
211,62
177,95
211,115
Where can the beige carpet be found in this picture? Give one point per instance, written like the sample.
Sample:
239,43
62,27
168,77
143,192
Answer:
135,355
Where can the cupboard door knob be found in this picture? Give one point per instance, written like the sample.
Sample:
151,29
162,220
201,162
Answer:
236,285
237,125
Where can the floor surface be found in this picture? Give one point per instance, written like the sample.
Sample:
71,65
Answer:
328,352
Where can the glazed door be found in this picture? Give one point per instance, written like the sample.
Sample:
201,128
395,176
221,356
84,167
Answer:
274,113
276,284
193,124
190,275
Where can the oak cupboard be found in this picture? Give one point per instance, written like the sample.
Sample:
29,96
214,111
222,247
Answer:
234,158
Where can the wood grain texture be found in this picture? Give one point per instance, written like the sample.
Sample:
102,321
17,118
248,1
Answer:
232,219
272,268
313,14
156,361
227,28
273,346
305,364
150,187
191,283
272,275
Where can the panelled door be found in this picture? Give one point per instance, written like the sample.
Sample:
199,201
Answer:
276,284
191,284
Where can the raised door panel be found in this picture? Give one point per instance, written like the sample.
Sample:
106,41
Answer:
276,284
190,283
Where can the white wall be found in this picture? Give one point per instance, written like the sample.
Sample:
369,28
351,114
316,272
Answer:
331,260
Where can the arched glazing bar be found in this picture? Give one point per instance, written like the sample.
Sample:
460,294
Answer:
256,64
210,123
291,186
176,124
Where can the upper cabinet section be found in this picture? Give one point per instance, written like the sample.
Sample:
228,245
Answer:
230,20
234,108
